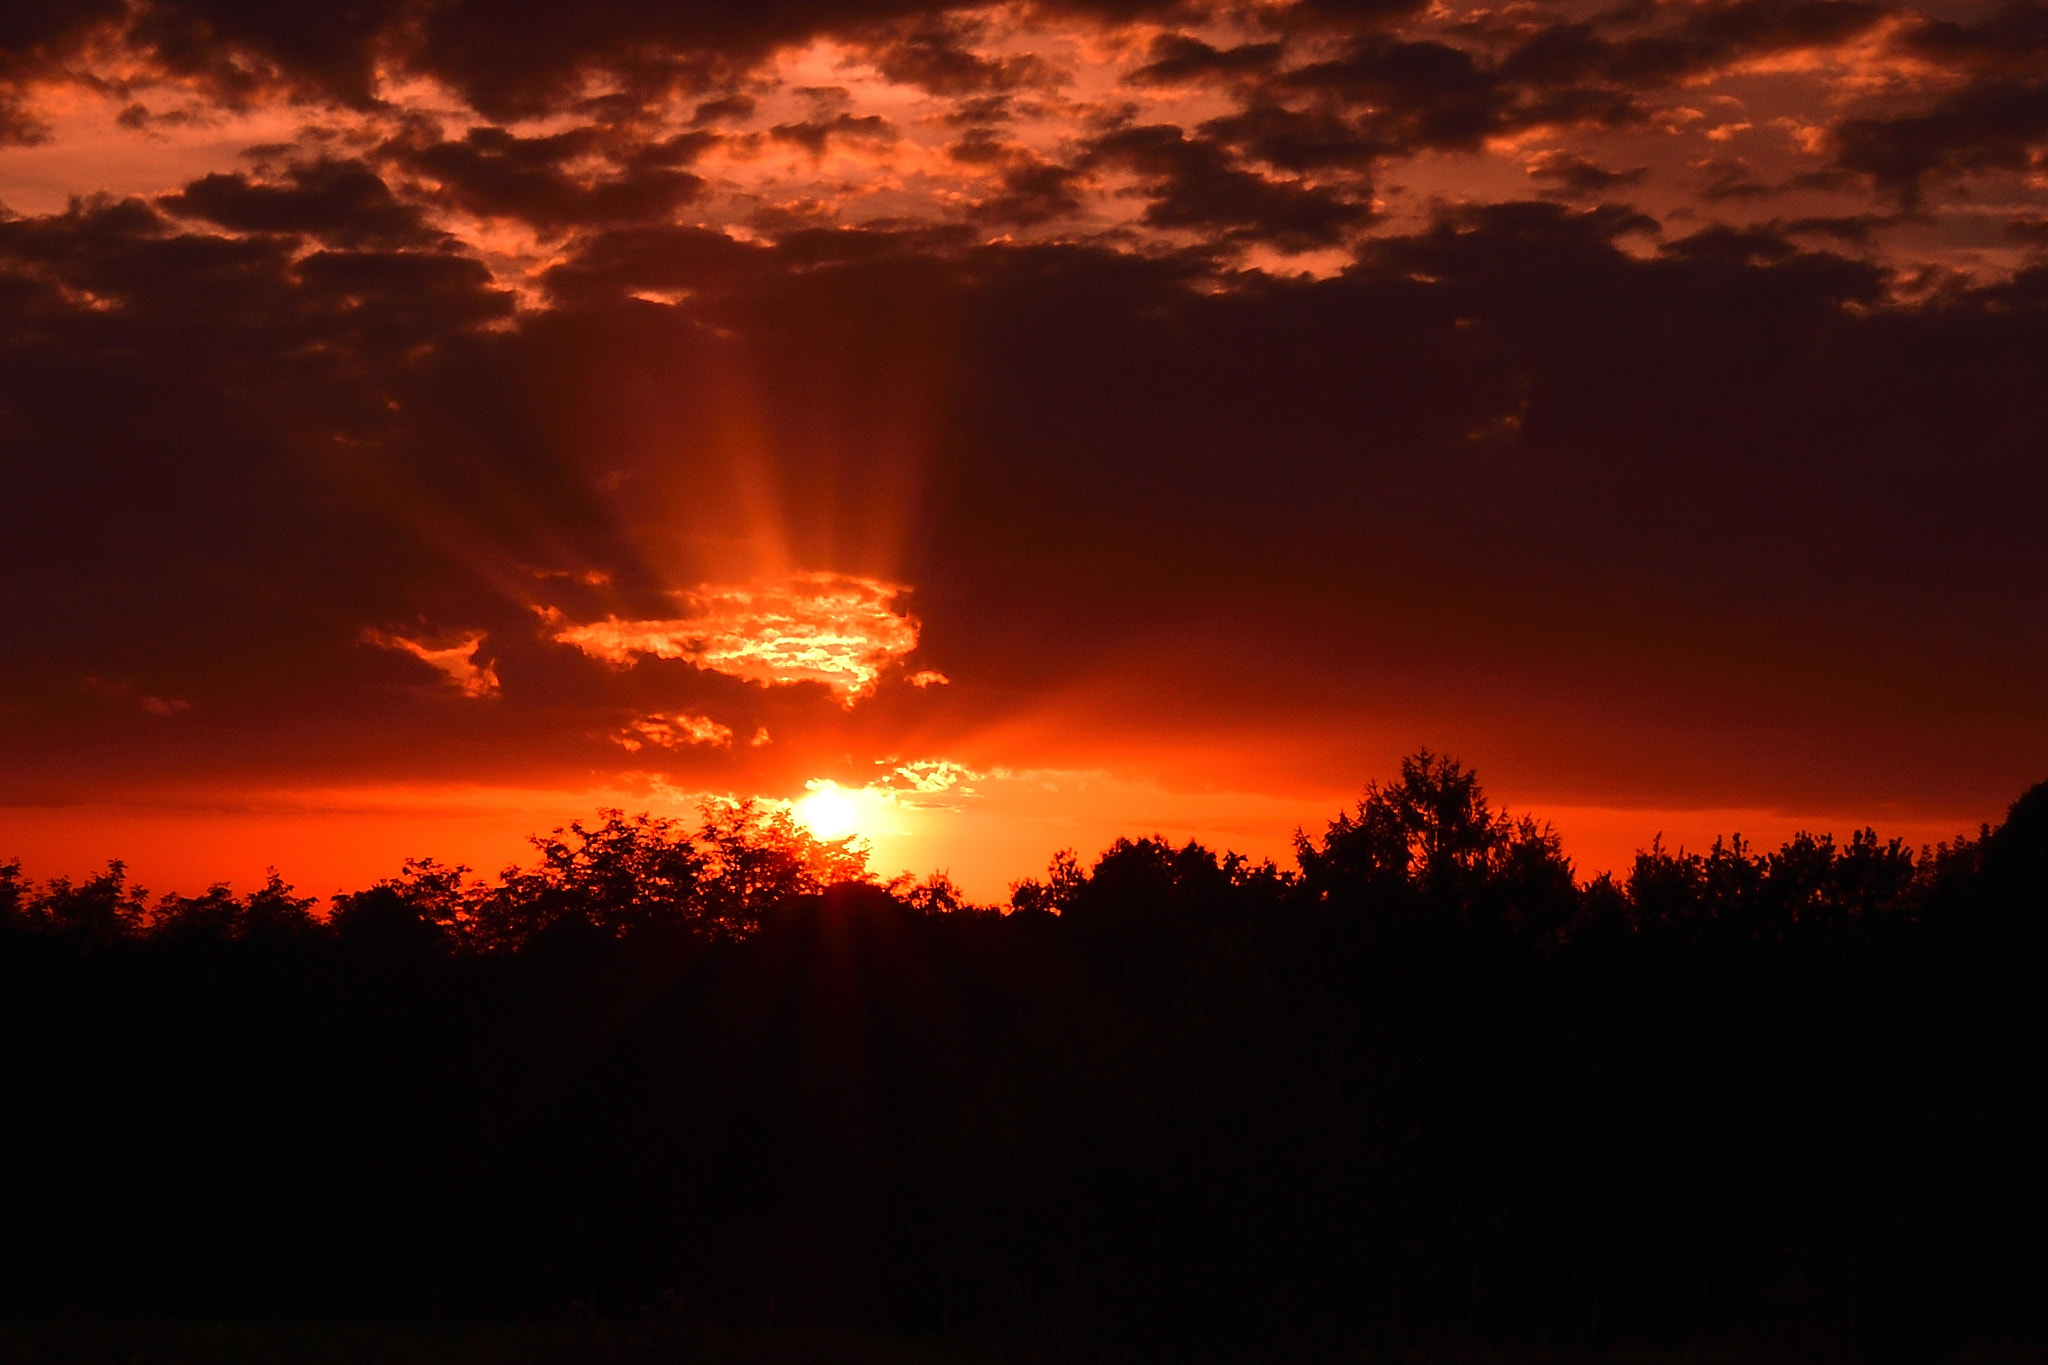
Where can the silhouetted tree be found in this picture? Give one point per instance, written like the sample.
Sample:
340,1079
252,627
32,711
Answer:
215,914
757,855
15,894
624,878
935,894
2014,866
1432,841
1813,886
627,876
1055,895
1718,895
427,909
95,913
270,914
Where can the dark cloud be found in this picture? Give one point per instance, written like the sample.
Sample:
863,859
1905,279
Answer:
569,179
240,48
1856,229
1991,116
1032,190
794,215
812,134
401,293
936,54
981,110
204,425
1703,38
1343,14
512,57
1731,177
33,40
2025,292
1399,83
1576,175
30,31
516,57
616,263
724,107
1406,94
19,125
1177,57
1420,94
2011,40
342,202
1295,141
1195,183
508,58
2029,229
1995,125
1752,246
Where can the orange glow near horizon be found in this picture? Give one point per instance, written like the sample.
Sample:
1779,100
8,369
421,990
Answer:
986,833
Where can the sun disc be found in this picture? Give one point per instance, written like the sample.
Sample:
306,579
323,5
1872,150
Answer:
828,812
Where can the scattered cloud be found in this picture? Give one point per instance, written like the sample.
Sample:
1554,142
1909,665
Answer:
928,777
673,731
155,706
456,661
1578,175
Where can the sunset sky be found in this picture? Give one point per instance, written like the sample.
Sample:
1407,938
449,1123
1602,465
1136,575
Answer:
425,422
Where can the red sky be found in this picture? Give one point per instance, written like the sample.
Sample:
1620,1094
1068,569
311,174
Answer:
426,423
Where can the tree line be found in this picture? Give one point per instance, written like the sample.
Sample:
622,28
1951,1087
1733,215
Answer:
1422,1084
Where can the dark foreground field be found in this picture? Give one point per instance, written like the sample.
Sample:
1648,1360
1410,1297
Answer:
341,1343
1423,1097
664,1343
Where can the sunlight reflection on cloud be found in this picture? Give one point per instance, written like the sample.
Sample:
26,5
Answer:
456,662
673,731
928,777
834,629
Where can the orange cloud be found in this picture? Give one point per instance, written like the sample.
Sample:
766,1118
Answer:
929,776
671,731
826,628
456,662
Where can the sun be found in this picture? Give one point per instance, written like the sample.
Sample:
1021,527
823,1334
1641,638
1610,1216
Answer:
828,812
